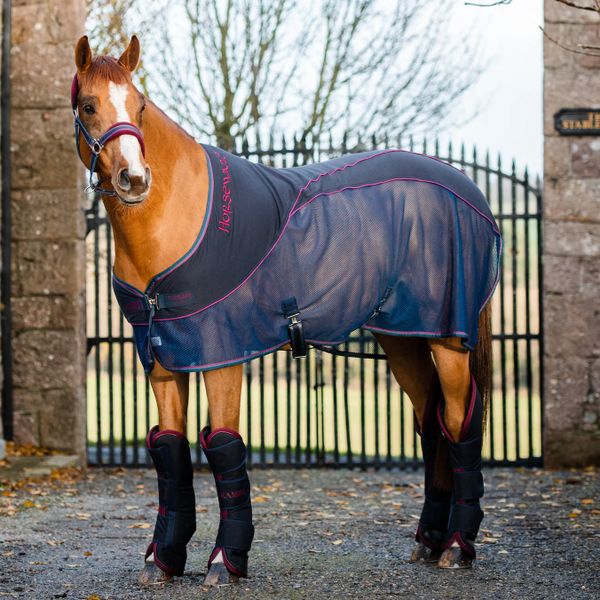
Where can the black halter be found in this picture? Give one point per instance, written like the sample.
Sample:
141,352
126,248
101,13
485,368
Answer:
96,144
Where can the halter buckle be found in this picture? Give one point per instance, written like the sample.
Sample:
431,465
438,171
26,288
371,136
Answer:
96,147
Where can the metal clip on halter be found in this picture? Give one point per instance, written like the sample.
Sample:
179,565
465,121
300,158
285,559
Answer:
295,328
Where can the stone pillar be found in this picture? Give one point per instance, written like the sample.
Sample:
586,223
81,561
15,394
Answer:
571,245
49,343
2,442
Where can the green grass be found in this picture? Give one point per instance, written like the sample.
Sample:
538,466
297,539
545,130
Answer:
373,409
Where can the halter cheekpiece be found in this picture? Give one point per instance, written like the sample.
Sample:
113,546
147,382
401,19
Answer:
97,144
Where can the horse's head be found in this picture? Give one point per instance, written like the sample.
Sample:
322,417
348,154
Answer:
108,119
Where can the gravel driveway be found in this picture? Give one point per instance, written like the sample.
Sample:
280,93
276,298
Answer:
319,534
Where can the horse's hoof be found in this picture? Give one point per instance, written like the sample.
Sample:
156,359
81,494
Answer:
422,553
152,575
455,558
219,575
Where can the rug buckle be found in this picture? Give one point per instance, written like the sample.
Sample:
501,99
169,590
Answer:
295,328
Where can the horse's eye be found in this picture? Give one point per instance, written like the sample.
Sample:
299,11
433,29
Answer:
88,109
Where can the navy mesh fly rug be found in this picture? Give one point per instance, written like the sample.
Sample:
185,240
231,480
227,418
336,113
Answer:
396,242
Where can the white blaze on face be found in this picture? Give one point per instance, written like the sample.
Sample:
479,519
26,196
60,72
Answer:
130,147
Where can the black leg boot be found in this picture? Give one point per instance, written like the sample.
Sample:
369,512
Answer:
467,488
176,519
431,532
226,455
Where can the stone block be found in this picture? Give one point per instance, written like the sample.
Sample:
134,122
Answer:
42,214
575,449
62,421
26,428
572,200
590,281
595,377
50,22
556,158
41,77
585,157
43,268
47,312
27,400
572,238
48,359
570,326
556,12
562,274
568,88
565,392
43,151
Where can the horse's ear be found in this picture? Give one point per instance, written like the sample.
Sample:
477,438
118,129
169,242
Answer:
131,57
83,54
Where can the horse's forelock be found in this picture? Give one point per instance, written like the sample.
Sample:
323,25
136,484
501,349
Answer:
106,68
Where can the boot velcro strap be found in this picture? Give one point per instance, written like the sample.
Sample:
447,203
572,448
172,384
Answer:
466,454
467,485
236,535
435,514
466,518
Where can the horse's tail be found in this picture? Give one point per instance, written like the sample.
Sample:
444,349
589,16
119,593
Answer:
481,359
480,364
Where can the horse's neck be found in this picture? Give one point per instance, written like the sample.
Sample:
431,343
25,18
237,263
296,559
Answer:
151,237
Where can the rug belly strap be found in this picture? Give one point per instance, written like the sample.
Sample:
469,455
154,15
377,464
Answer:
226,455
176,519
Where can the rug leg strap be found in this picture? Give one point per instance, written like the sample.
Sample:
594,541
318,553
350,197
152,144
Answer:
176,519
226,455
467,488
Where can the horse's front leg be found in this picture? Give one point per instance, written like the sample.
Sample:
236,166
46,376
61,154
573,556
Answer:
226,455
170,453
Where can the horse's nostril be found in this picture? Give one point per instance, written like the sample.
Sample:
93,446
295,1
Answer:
124,181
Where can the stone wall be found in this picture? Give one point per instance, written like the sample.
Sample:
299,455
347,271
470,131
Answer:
571,244
48,229
2,443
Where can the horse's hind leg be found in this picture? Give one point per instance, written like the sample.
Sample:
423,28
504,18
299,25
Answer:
170,453
411,363
460,416
226,455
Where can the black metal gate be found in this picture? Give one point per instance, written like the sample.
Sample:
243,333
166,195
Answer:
326,410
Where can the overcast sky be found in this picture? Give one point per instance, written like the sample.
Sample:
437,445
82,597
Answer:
509,93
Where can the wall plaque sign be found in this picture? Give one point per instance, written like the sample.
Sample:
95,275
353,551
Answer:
577,121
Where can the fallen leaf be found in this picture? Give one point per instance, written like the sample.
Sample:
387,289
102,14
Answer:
28,504
139,526
260,499
587,501
337,542
87,553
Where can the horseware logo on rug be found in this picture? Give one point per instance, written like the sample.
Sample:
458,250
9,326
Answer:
226,212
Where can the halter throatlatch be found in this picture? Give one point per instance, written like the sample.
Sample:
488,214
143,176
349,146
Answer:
97,144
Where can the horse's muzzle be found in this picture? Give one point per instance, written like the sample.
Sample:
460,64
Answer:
132,189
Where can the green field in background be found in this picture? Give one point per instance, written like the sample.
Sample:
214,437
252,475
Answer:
505,429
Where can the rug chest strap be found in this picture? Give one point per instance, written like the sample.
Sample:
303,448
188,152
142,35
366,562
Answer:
295,328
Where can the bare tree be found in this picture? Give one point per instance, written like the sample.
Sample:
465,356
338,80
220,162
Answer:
110,24
590,5
235,67
229,68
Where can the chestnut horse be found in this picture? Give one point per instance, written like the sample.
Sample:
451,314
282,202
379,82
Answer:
156,182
